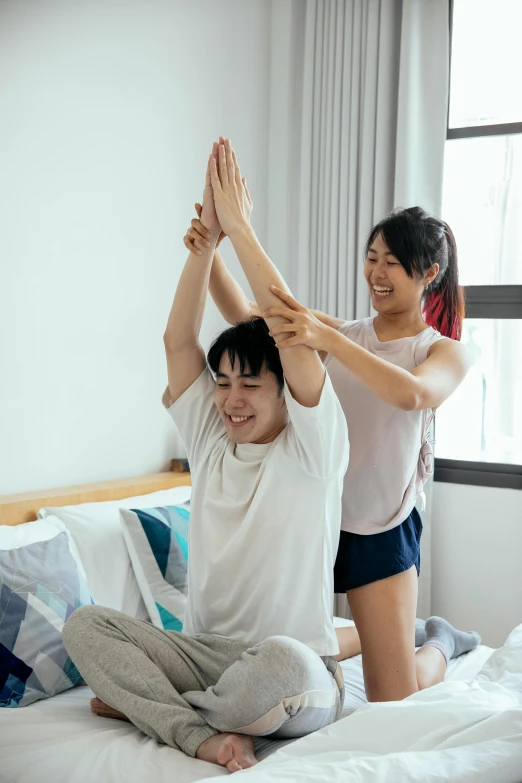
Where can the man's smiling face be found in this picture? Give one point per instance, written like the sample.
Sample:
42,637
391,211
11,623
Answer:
252,406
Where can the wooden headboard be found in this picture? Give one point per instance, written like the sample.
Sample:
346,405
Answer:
17,509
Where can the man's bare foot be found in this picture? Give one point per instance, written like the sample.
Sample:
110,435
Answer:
233,751
100,708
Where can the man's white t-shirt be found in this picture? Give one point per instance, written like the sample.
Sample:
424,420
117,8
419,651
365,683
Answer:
265,521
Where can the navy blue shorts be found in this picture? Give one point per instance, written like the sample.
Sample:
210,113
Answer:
365,559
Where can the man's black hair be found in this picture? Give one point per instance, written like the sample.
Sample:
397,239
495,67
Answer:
250,343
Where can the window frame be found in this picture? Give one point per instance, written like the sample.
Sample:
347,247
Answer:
489,302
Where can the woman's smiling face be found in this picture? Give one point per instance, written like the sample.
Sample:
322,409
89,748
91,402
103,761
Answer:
391,288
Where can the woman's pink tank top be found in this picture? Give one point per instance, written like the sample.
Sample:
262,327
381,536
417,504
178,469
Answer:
390,456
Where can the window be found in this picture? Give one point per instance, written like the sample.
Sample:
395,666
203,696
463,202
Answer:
479,429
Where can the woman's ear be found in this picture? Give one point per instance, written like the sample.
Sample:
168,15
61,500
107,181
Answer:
431,274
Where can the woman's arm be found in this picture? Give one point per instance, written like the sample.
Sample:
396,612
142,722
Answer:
328,320
427,386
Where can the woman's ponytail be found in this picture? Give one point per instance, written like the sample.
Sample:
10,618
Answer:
444,301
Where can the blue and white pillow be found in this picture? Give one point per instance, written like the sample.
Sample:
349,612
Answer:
41,585
157,541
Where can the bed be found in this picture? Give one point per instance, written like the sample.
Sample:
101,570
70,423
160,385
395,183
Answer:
468,728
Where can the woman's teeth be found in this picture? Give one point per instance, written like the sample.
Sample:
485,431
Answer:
381,290
237,419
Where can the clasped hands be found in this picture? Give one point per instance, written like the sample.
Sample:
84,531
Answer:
226,209
226,201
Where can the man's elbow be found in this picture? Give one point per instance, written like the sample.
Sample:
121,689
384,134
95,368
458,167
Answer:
252,311
170,343
175,344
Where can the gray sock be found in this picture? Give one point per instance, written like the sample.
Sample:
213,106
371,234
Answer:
420,632
446,638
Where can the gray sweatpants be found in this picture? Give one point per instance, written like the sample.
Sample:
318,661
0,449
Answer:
183,689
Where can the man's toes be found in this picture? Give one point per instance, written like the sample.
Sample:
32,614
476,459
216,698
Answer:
105,710
243,753
231,755
233,766
225,754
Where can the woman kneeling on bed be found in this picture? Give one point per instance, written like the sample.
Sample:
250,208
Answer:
390,373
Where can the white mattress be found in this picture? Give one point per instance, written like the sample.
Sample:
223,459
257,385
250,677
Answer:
60,741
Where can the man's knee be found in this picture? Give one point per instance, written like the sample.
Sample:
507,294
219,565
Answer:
293,662
283,647
298,692
78,629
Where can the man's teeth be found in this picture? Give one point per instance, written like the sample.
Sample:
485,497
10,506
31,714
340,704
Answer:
237,419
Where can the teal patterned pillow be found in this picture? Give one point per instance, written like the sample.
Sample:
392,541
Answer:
157,541
40,587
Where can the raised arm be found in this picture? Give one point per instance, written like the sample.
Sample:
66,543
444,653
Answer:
234,305
302,367
231,301
185,355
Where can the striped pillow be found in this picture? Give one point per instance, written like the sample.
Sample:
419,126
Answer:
157,541
40,587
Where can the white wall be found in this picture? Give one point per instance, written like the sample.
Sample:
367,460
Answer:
477,558
108,111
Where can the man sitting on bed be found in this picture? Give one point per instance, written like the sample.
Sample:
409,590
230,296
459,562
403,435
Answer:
268,448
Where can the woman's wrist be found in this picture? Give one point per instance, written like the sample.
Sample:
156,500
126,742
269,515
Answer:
330,339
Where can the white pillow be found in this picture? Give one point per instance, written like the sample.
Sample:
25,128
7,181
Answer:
97,533
17,536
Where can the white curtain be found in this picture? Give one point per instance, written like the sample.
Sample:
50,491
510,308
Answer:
359,94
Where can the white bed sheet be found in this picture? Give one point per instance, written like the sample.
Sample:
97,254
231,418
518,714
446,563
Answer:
455,732
60,741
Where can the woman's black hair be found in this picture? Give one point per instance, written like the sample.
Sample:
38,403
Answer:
419,240
250,343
